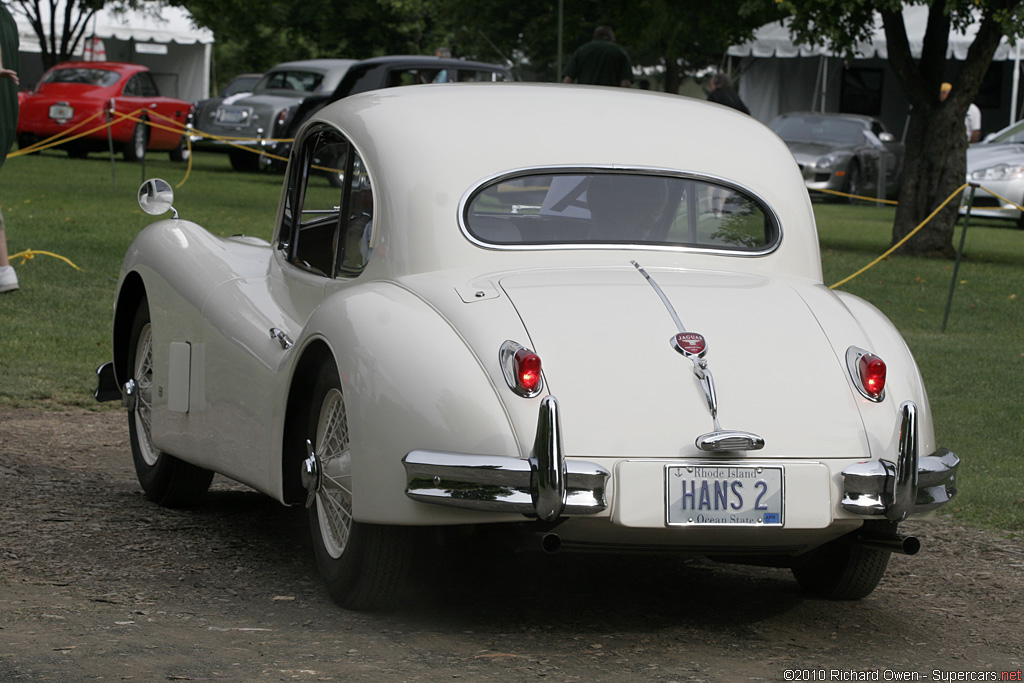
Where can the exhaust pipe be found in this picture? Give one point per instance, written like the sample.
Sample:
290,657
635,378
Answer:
905,545
551,543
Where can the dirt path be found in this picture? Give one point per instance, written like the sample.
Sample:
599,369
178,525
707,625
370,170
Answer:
96,583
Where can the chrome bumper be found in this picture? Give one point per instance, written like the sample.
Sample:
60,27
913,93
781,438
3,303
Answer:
911,485
546,485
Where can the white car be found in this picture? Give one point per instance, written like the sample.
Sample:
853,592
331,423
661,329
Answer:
996,166
550,309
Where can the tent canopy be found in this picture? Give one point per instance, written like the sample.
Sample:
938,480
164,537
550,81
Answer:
168,42
775,40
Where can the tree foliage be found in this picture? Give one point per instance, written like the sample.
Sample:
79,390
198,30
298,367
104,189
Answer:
46,16
936,143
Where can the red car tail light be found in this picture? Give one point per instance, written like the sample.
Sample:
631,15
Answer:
872,374
521,368
867,372
527,367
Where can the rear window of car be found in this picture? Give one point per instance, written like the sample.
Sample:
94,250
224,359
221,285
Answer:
618,209
98,77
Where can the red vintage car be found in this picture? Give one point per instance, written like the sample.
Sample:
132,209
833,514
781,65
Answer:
78,97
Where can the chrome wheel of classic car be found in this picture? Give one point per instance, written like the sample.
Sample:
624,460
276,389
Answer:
842,570
164,478
135,148
365,565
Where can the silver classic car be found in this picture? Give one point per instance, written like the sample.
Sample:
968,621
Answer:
507,318
261,118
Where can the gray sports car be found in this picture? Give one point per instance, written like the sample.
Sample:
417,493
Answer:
843,152
997,164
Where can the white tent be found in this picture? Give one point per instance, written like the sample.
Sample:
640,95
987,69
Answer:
168,42
780,76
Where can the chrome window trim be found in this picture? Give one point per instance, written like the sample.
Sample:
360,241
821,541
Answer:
467,197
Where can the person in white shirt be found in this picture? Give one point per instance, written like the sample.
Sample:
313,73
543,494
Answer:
972,122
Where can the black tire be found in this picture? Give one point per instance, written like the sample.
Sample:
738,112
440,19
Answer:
244,162
182,151
135,148
365,566
165,479
841,570
853,182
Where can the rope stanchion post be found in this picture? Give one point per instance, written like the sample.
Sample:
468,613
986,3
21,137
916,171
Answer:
959,255
110,143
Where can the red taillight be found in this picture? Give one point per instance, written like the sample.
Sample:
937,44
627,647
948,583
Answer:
527,370
872,374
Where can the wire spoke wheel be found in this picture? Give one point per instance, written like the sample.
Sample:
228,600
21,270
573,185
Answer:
144,395
365,566
334,499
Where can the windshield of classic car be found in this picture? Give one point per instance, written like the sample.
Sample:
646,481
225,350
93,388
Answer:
301,81
819,129
98,77
616,209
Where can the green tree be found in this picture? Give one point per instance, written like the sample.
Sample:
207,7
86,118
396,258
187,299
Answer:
936,144
58,24
253,35
684,37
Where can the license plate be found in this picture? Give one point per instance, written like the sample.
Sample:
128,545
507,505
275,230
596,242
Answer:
226,115
723,495
61,112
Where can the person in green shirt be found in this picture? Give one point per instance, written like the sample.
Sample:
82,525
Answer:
8,123
600,62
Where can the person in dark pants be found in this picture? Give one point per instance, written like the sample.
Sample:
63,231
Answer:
8,123
600,62
722,93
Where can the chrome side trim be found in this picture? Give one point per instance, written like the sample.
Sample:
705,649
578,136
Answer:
912,485
545,486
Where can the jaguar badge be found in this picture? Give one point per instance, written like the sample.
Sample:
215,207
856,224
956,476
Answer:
690,344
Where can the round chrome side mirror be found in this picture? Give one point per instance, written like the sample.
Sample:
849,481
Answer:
156,197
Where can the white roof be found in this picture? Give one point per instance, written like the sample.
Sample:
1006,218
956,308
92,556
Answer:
168,25
775,40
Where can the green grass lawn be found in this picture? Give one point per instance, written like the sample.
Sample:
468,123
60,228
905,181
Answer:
56,329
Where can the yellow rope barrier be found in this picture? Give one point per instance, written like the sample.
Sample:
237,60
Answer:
30,254
857,196
902,241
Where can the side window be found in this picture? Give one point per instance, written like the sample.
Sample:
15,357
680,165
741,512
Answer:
309,236
141,85
131,88
326,230
354,249
147,86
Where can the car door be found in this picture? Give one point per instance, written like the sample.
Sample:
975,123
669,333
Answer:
140,92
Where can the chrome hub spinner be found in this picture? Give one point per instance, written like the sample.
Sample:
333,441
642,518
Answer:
312,474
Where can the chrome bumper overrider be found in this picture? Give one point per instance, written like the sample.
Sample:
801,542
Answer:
546,485
911,485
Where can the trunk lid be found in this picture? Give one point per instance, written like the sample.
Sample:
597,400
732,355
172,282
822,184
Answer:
604,338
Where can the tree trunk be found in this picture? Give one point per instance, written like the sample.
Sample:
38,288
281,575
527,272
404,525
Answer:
936,146
934,167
